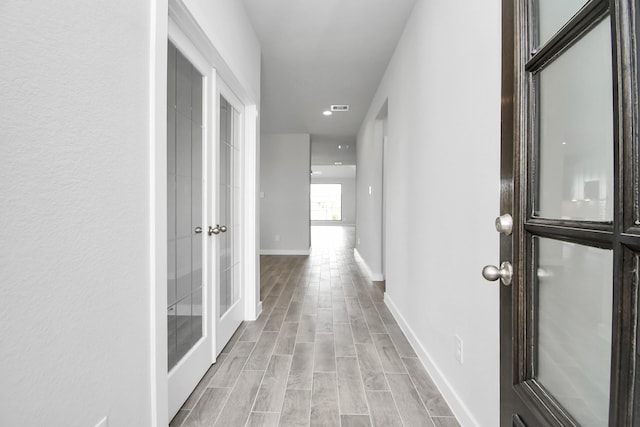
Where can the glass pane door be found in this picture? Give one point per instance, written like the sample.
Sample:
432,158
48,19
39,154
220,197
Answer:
572,283
184,206
230,308
228,289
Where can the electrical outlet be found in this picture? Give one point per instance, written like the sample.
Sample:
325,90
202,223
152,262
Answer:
458,348
277,237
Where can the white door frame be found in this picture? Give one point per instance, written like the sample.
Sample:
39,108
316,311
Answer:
238,308
185,375
159,34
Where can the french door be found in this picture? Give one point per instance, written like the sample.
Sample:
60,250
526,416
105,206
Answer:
190,338
570,224
229,296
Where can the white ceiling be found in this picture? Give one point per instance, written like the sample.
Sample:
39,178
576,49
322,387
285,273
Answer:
321,52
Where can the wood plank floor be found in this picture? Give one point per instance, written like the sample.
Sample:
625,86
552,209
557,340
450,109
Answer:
324,352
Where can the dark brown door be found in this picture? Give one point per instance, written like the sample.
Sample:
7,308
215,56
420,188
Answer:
569,171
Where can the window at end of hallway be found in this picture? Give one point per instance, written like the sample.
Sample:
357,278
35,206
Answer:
326,202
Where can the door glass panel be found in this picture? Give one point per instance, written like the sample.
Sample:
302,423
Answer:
184,206
553,14
574,286
226,205
575,169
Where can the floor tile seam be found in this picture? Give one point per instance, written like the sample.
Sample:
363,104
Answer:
223,404
395,403
255,398
415,387
364,391
396,350
378,356
272,348
296,389
221,362
239,372
284,391
336,393
396,344
287,306
310,399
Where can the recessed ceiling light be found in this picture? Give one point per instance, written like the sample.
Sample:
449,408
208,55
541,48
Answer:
327,113
337,163
343,147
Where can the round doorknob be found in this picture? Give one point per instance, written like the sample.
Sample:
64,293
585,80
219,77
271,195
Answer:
504,273
214,230
223,228
504,224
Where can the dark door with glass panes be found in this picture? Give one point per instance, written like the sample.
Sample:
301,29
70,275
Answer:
569,178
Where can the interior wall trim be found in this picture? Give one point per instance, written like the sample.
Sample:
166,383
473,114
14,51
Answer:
459,409
376,277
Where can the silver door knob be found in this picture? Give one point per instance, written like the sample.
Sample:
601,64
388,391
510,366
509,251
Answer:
198,230
504,224
214,230
504,273
223,228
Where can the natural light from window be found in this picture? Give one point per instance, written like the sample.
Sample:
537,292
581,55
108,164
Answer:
326,202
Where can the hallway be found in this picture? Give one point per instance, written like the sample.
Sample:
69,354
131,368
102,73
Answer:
325,351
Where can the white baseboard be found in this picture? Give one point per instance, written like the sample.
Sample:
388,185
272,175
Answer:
459,409
375,277
331,224
258,310
285,251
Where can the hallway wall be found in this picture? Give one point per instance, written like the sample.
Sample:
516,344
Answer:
285,166
75,322
442,172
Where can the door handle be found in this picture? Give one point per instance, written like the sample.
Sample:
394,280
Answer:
214,230
504,273
223,228
198,230
504,224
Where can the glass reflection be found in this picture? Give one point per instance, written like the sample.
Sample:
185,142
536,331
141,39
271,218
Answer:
575,297
575,169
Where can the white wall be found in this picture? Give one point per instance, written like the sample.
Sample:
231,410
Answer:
76,326
285,165
442,172
228,27
348,200
74,320
325,151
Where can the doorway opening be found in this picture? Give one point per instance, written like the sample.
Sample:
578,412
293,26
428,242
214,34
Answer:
382,133
326,202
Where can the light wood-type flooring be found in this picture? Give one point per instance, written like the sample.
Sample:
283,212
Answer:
325,351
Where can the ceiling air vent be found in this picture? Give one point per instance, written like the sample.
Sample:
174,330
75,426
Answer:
339,108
